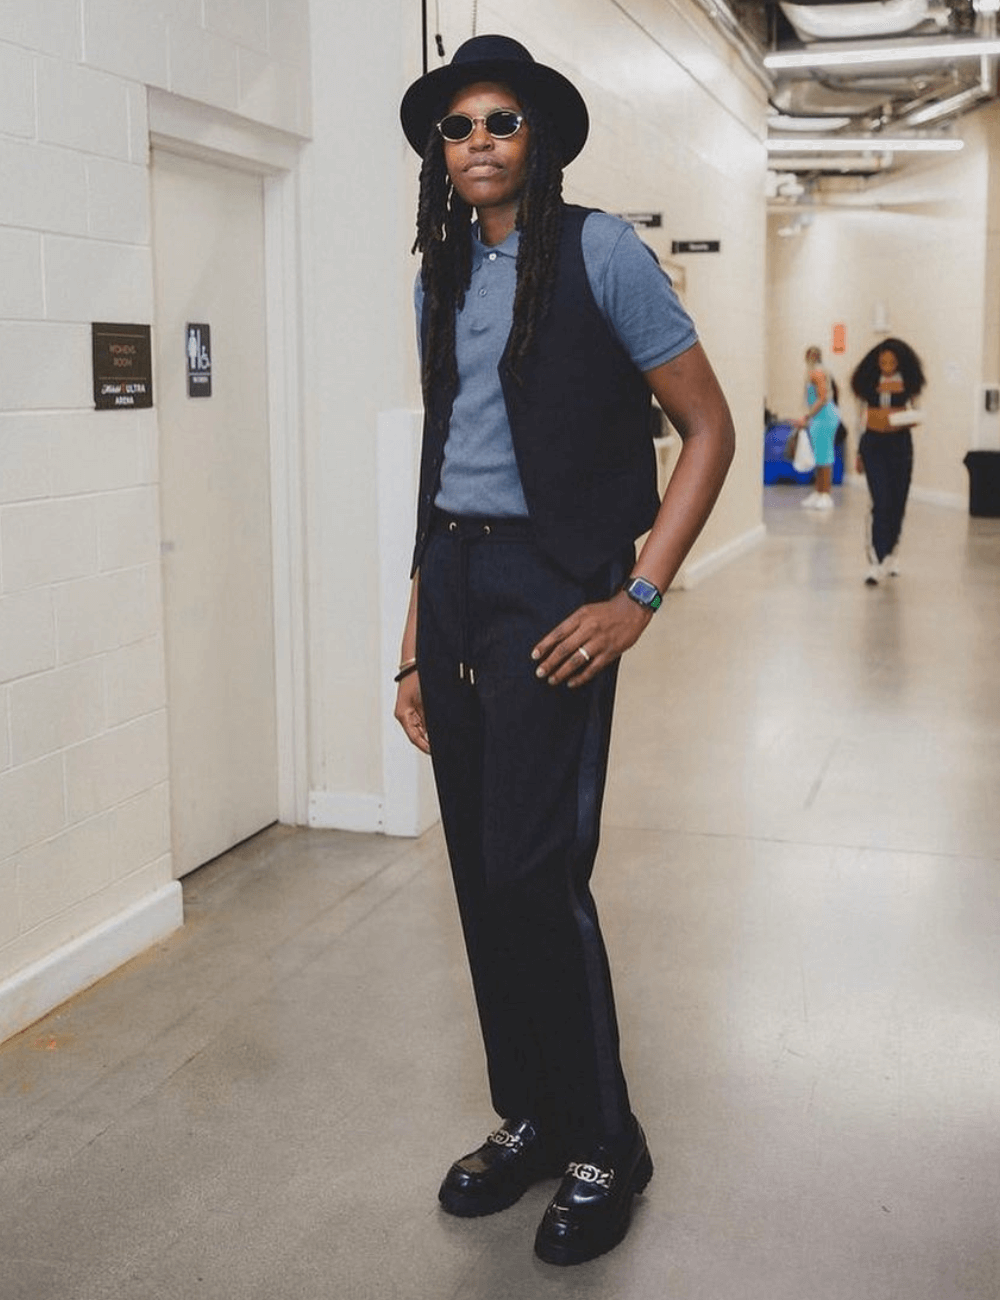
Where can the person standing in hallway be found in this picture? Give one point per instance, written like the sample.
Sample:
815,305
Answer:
887,380
822,420
544,329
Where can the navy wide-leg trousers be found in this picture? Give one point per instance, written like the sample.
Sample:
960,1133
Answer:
520,770
888,462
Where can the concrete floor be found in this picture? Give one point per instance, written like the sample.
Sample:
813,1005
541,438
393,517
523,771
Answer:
800,887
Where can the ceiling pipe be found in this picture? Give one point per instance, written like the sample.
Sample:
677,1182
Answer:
852,54
967,99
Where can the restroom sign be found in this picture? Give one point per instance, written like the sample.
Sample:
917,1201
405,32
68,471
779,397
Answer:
198,344
123,366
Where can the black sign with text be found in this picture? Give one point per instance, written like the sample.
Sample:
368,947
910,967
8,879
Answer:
198,345
696,246
654,219
123,366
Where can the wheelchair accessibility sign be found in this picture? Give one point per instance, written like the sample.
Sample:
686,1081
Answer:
199,361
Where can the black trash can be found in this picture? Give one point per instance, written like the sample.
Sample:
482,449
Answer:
984,483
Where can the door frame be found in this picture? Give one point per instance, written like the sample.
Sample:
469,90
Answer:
194,130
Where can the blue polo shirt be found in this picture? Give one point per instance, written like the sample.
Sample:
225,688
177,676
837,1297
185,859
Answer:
636,299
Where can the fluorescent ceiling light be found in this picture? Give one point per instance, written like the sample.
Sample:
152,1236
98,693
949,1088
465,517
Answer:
847,56
785,122
863,144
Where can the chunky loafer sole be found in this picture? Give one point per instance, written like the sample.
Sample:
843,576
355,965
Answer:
572,1235
499,1173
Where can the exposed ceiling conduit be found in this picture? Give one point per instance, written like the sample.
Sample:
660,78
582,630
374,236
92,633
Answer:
876,100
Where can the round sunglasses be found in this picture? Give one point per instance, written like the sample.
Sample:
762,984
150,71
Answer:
502,123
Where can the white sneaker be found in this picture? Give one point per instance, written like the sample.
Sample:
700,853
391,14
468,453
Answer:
874,575
891,566
810,501
824,501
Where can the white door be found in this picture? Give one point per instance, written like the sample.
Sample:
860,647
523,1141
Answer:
208,242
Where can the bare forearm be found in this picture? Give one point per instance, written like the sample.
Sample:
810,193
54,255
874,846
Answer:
701,415
691,493
593,636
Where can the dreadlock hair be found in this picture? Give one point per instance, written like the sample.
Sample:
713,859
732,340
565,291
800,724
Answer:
444,237
866,375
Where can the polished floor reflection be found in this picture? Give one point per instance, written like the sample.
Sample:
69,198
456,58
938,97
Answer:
800,886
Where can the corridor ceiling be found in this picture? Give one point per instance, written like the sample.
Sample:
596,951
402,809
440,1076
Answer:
872,72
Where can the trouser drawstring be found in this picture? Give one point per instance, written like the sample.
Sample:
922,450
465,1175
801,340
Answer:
466,537
466,672
466,532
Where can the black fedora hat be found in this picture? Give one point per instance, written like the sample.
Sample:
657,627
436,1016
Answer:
496,58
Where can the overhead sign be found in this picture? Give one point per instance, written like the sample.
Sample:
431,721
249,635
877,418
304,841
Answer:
696,246
199,360
123,366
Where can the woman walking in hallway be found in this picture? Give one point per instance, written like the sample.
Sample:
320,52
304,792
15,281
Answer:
544,329
821,420
888,379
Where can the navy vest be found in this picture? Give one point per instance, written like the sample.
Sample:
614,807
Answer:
580,421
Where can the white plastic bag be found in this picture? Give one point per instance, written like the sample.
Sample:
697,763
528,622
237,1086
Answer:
804,459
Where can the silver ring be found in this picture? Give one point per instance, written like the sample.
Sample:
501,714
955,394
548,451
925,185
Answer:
582,650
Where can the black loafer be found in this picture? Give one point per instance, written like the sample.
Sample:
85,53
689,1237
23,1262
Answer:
500,1171
590,1213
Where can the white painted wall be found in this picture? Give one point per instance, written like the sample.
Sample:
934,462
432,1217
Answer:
909,259
358,198
85,878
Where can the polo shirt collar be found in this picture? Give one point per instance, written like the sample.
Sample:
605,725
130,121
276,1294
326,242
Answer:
479,250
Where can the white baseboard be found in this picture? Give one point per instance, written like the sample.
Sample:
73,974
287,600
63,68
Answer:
41,987
695,571
953,500
345,812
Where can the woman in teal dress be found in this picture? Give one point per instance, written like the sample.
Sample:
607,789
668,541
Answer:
822,419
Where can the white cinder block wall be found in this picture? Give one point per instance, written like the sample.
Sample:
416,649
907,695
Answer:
85,872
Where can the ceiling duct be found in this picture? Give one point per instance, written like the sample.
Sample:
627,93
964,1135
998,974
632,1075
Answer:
840,22
857,93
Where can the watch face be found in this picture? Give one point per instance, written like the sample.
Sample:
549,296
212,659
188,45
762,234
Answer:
642,590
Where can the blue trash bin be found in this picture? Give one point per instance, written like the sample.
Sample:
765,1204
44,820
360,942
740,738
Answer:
779,469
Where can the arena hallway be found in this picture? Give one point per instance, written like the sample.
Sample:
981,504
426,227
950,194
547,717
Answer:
800,888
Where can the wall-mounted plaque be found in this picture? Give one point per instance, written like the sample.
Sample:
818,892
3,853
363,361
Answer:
198,346
650,219
123,366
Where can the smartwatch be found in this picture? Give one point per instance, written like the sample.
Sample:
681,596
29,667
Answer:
644,593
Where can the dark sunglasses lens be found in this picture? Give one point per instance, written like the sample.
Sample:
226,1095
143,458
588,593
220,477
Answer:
502,123
456,126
